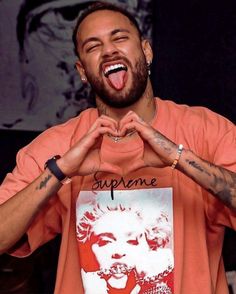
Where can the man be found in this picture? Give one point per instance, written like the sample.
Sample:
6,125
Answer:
131,141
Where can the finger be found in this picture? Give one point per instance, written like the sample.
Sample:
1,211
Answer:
130,117
76,155
103,123
133,124
104,130
129,126
106,122
91,138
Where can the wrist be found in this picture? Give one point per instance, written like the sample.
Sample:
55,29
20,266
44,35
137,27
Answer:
55,169
177,156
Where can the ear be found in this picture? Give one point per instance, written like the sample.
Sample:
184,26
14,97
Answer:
81,71
147,50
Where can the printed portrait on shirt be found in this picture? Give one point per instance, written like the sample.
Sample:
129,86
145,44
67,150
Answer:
125,244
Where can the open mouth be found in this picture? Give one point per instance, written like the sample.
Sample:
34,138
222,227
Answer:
117,269
116,75
114,68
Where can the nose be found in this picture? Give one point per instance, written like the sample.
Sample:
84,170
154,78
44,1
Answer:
117,256
109,49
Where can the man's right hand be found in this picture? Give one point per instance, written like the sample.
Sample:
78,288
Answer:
84,157
17,214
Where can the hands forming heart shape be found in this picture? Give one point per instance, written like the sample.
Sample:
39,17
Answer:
87,156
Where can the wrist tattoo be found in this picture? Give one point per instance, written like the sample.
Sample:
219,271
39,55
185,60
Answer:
162,143
43,183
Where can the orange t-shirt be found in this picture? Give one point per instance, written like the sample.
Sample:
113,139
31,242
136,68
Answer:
144,230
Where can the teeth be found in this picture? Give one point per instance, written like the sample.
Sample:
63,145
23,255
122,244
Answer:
111,68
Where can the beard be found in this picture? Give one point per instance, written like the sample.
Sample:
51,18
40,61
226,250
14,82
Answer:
122,99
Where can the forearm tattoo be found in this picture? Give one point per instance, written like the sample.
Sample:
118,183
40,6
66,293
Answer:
164,143
227,187
197,166
44,182
221,182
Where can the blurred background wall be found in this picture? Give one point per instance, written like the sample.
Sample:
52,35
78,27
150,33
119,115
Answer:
194,63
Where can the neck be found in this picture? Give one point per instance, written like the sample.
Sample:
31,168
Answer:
145,107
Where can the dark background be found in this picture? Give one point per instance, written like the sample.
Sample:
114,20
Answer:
194,46
195,53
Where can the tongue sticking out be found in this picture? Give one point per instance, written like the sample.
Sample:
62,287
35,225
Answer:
117,79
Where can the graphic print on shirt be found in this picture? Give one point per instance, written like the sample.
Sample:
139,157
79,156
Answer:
126,244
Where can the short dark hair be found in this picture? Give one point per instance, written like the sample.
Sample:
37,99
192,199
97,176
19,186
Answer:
100,5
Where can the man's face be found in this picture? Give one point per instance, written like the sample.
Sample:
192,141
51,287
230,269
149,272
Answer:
112,58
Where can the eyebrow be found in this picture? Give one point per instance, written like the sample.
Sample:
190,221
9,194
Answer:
95,39
108,235
119,31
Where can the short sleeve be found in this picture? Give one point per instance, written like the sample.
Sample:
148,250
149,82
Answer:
220,149
47,224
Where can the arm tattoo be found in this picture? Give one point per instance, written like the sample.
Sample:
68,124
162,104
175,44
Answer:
44,182
162,143
221,183
197,166
227,182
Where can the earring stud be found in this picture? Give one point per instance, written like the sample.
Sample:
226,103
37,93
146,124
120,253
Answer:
149,67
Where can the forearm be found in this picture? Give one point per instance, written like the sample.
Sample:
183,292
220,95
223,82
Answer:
83,158
217,180
17,213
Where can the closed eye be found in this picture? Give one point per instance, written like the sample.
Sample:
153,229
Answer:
92,48
103,242
104,239
121,38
